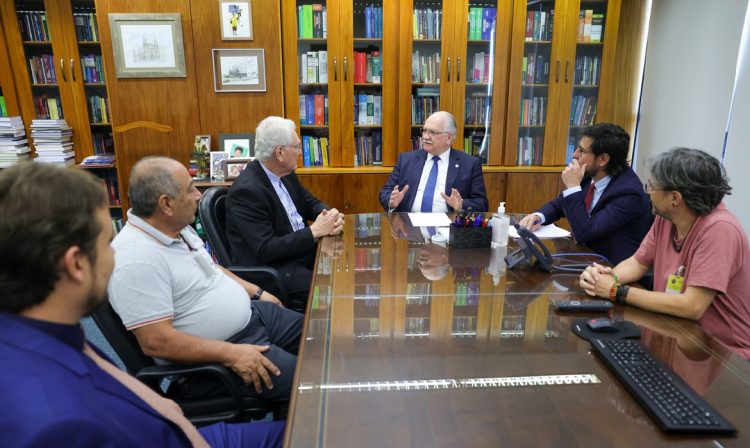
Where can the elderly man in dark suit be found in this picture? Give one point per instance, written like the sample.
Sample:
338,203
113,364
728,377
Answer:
603,198
268,210
445,181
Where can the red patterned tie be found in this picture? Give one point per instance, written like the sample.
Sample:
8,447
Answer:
589,196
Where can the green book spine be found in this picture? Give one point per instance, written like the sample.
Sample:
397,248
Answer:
3,110
307,21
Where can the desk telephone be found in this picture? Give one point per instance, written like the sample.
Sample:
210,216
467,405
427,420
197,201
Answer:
531,249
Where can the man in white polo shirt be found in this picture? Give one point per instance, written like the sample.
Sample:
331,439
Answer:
180,305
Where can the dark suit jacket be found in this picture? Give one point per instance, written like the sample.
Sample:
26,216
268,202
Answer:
257,226
618,223
53,395
464,174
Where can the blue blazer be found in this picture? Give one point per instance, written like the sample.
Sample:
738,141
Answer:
464,174
53,395
618,223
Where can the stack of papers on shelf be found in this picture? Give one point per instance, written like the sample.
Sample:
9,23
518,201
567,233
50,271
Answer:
99,160
14,147
52,142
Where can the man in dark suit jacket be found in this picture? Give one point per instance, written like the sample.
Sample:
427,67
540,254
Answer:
617,213
267,210
56,389
459,175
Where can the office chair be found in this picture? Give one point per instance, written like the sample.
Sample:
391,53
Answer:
231,406
213,217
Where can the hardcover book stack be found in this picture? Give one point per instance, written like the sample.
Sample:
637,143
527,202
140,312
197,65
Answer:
14,146
52,141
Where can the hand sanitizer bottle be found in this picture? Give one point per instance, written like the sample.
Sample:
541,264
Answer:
500,223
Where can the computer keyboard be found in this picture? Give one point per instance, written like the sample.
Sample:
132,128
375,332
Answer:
671,402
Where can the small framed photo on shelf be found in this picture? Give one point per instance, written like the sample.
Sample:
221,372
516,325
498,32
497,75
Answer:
205,139
238,145
147,45
239,70
219,165
236,20
235,167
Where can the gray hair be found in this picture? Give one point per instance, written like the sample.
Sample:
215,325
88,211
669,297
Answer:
449,119
271,132
149,179
698,176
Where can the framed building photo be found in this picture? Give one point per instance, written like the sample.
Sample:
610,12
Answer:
239,70
147,45
235,167
238,145
218,165
236,20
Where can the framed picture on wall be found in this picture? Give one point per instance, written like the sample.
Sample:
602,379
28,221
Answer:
235,167
236,20
147,45
239,70
238,145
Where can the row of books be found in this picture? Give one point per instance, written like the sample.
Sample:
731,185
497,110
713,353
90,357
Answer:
366,226
366,259
52,141
3,107
590,26
98,107
478,108
99,160
373,17
321,297
14,146
481,69
417,327
571,148
33,25
368,109
313,109
464,326
539,25
92,68
424,103
368,148
368,67
535,69
42,69
315,151
312,21
582,110
109,179
426,23
425,68
533,111
313,67
586,71
366,328
84,20
482,23
477,144
103,142
530,150
467,294
48,107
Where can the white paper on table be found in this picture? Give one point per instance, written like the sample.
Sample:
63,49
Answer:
429,219
544,232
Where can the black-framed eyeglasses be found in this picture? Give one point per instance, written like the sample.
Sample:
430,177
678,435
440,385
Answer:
431,132
584,151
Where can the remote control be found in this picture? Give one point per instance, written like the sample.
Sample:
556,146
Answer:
583,305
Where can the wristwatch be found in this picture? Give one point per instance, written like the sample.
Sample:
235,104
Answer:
622,294
258,294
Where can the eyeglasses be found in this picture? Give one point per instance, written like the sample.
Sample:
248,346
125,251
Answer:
297,147
648,188
431,132
584,151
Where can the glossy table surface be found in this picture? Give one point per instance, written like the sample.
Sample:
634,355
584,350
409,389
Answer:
411,344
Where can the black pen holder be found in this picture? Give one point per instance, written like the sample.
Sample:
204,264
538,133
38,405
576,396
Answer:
470,237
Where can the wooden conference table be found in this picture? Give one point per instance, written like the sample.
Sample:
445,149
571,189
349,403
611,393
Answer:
413,345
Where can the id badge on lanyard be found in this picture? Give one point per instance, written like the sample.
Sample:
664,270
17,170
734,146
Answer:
675,281
202,258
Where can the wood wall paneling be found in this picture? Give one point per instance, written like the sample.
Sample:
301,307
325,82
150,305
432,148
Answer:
349,193
6,75
526,192
496,184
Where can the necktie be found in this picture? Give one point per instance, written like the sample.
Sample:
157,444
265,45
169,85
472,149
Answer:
165,407
589,196
429,188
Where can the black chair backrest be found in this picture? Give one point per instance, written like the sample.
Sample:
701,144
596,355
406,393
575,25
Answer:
213,217
122,341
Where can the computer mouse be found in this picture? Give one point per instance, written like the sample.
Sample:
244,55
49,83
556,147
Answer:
601,325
